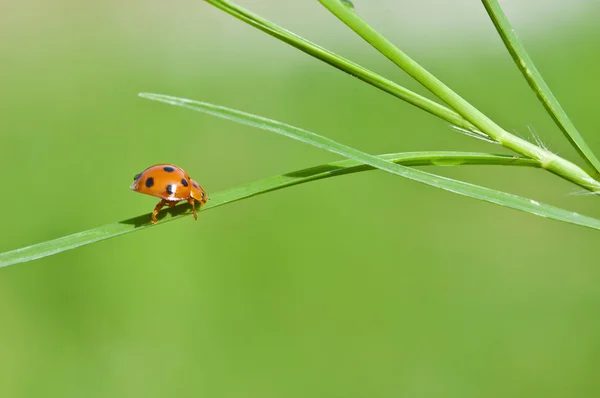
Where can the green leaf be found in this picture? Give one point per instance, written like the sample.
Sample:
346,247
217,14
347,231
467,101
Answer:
346,65
380,43
537,83
462,188
343,167
550,161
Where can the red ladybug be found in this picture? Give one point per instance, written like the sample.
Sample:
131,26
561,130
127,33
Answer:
170,183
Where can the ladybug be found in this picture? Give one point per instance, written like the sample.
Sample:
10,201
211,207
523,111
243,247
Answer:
171,184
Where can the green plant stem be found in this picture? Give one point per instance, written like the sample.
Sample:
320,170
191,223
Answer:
547,159
308,137
343,167
344,64
537,83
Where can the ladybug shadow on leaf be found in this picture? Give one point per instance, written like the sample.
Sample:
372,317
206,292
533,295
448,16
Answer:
167,213
327,170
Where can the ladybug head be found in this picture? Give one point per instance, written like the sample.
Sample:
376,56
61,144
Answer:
198,193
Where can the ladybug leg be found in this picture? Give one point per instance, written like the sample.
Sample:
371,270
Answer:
171,203
191,202
159,206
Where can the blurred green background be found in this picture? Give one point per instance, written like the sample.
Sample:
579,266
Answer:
367,285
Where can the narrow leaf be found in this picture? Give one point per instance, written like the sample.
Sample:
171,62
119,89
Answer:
343,167
448,184
345,65
550,161
537,83
380,43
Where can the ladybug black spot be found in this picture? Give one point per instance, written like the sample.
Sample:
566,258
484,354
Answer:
171,189
149,182
195,185
168,169
184,182
137,176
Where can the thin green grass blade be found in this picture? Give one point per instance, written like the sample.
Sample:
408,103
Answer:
339,168
459,187
380,43
550,161
537,83
345,65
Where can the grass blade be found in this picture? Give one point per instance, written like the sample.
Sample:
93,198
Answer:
343,167
459,187
537,83
345,65
380,43
550,161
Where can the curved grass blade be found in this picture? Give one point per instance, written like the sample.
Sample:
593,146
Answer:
346,65
343,167
380,43
537,83
448,184
550,161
